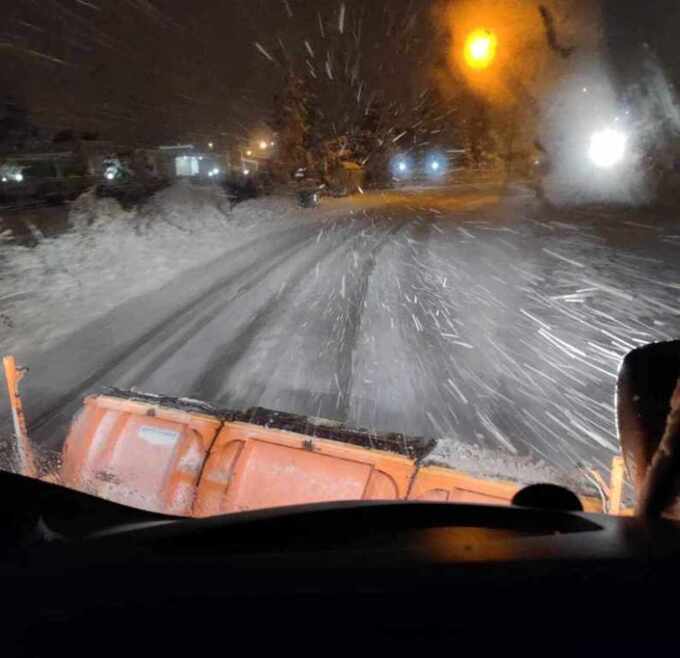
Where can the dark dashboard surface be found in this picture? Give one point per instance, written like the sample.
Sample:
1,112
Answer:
74,566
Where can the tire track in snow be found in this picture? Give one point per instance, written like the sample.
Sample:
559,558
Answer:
356,304
63,406
210,384
201,320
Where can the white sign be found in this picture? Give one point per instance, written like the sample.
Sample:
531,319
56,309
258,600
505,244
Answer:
157,435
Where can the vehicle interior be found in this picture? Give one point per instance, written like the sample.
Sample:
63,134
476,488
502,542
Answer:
85,575
339,326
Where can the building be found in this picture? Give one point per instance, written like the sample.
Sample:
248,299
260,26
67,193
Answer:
187,161
46,174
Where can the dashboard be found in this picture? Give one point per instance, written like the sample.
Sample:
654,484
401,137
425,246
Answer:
79,570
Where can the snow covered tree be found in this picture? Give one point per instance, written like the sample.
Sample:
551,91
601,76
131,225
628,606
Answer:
352,89
291,121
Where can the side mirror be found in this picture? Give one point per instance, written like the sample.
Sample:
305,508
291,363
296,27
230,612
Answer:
648,410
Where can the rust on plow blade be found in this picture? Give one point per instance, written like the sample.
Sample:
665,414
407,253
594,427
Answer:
185,457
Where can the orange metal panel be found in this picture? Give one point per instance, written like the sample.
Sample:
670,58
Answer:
138,454
616,488
442,484
434,483
591,504
13,375
253,467
188,463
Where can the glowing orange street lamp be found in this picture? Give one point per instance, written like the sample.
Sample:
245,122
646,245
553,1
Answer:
480,49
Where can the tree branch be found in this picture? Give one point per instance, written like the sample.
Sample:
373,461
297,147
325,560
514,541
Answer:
551,33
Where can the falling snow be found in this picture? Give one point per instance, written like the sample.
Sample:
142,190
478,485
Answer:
482,319
430,325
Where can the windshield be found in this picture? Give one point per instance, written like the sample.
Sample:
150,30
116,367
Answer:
270,252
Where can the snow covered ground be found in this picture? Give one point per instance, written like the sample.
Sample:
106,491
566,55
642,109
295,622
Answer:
478,318
112,255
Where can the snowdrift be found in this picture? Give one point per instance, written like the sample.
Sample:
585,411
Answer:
111,255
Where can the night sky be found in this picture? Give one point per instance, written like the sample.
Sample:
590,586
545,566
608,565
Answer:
140,69
154,71
632,24
159,70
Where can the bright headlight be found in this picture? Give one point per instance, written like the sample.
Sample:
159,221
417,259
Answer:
607,148
435,165
401,166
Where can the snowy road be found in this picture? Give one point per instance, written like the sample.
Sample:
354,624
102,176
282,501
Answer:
482,319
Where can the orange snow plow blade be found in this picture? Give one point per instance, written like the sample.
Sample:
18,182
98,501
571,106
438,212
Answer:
137,454
13,375
253,467
185,458
437,483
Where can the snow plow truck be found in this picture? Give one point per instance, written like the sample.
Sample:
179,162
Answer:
186,458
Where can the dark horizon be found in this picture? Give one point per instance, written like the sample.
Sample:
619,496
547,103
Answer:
149,72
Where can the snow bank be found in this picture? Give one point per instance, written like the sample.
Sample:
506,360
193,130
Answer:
111,255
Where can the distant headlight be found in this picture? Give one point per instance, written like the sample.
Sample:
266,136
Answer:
435,165
401,167
18,178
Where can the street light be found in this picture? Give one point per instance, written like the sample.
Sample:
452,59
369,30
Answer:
263,145
210,145
480,49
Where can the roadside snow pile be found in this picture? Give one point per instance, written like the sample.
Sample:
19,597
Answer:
88,210
274,210
112,255
186,209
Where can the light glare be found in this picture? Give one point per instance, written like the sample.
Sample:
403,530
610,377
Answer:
480,49
607,148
